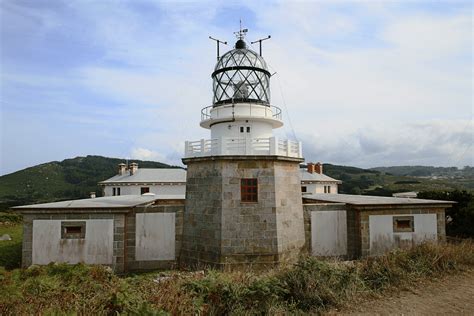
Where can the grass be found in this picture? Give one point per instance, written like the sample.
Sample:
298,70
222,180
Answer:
10,250
310,286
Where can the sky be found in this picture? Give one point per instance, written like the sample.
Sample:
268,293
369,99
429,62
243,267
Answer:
360,83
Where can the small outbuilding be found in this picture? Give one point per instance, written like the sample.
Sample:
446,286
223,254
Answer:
129,232
356,226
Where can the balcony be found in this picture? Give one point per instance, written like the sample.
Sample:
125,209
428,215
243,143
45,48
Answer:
243,146
241,111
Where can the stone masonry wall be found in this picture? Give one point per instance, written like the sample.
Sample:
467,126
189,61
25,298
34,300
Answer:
118,241
221,230
201,239
364,222
314,207
131,264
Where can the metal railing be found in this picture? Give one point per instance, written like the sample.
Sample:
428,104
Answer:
271,111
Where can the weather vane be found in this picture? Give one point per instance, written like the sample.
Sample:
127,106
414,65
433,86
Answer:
241,33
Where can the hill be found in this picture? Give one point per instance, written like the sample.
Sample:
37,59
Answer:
61,180
388,180
427,171
75,178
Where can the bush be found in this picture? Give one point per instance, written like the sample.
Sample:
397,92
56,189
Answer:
310,286
460,217
314,284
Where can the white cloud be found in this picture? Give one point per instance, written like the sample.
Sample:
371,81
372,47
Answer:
361,80
438,142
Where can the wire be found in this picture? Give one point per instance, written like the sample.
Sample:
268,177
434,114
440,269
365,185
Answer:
286,109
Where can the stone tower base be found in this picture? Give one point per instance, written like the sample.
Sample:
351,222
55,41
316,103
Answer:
222,231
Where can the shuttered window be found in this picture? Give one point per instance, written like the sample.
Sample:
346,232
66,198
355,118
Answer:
249,190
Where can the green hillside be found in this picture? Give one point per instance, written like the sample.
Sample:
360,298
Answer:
427,171
69,179
388,180
76,178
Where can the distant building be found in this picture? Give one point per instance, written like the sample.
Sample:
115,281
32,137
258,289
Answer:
134,181
405,194
314,181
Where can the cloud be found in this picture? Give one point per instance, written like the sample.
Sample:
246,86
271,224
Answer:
438,143
360,83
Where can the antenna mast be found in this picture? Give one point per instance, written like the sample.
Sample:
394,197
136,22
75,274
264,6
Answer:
217,42
260,42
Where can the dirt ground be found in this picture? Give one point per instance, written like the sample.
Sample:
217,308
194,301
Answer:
447,296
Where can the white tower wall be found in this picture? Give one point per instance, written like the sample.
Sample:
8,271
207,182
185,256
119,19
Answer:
242,129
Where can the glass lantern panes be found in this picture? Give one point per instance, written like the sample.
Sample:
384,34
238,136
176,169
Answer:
241,75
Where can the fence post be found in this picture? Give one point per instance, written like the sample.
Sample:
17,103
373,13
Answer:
202,146
273,144
186,149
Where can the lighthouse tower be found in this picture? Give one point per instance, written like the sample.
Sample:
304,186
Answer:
243,191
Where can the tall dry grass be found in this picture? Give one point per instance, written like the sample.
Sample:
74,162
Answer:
312,285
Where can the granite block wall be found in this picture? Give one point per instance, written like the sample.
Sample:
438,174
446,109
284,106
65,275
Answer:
118,240
131,263
358,225
221,230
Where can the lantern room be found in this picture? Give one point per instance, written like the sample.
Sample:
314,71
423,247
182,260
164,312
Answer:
241,76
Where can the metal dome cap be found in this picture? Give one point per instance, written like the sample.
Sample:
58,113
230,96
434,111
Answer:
241,75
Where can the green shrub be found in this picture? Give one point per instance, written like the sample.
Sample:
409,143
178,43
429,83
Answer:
316,284
311,286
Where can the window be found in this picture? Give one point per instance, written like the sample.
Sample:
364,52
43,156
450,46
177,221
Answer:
73,230
329,189
249,190
248,129
241,129
118,191
403,224
144,190
325,189
304,189
114,193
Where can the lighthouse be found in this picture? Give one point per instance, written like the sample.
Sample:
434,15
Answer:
243,192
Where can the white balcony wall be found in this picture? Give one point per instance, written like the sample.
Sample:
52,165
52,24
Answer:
243,146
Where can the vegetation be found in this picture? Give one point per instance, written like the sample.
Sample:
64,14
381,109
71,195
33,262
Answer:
311,286
427,171
460,217
76,178
385,181
10,250
69,179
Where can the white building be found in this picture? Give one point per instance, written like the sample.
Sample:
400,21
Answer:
134,181
314,181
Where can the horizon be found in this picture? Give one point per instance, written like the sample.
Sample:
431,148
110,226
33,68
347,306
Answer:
361,84
303,163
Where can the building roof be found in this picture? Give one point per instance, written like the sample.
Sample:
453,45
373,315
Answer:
307,176
370,200
150,175
123,201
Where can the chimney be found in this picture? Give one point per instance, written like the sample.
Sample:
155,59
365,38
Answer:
319,168
133,168
310,167
92,195
122,168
